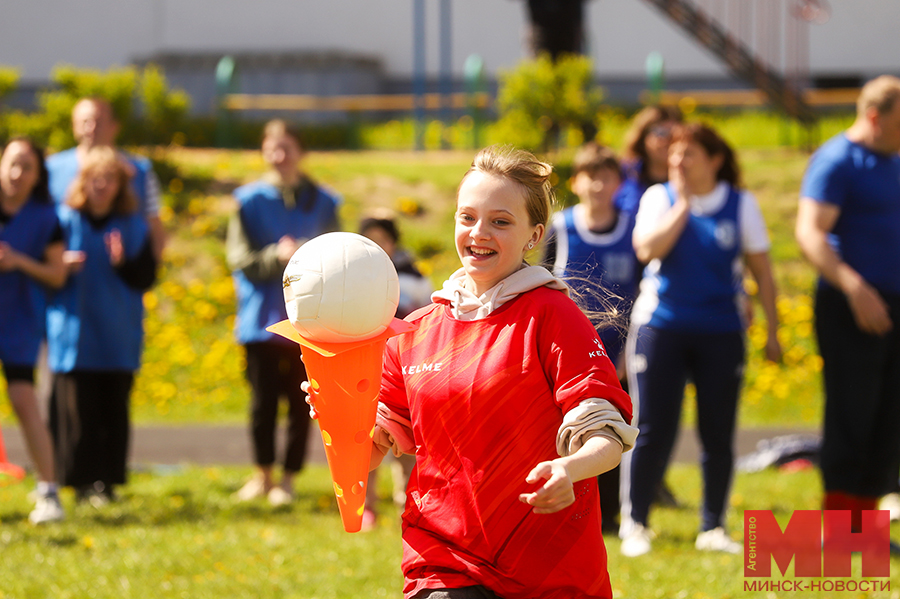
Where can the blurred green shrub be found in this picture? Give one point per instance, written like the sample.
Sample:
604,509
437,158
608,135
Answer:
149,112
542,100
9,79
164,111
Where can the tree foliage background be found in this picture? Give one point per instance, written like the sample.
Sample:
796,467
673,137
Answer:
149,112
541,99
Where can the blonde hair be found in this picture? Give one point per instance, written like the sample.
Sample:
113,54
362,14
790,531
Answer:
522,167
880,93
533,176
96,159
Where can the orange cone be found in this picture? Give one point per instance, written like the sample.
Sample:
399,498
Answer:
9,473
347,380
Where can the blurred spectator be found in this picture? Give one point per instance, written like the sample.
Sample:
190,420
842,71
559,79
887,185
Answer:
31,259
646,163
94,124
415,292
95,326
696,232
415,288
646,159
275,216
589,246
848,226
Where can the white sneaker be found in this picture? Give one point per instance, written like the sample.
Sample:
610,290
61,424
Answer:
252,489
891,502
717,540
637,541
47,509
278,496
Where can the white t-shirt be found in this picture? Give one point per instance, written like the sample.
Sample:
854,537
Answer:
754,235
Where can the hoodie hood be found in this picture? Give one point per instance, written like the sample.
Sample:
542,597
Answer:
466,305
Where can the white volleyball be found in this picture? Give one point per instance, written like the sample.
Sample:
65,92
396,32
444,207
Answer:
340,287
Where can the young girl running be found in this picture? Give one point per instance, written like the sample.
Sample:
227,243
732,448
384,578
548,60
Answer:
511,406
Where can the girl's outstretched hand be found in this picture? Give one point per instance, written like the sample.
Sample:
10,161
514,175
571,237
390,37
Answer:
555,494
310,399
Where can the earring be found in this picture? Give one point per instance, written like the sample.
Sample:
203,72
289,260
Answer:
530,245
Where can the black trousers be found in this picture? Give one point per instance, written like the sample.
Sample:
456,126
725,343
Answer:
274,370
861,434
91,426
714,362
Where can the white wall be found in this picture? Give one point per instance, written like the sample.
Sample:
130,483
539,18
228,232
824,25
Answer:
38,34
860,35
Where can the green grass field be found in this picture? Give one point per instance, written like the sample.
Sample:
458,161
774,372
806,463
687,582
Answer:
176,533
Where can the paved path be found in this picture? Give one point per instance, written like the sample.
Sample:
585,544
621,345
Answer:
231,444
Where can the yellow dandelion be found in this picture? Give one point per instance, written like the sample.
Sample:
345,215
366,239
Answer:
176,185
150,301
750,286
813,362
166,214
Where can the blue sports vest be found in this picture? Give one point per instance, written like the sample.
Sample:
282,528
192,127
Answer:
266,219
698,287
95,322
22,299
605,259
628,196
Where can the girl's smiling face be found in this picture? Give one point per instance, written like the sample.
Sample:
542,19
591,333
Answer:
493,229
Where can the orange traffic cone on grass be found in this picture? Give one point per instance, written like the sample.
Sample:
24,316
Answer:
9,473
346,378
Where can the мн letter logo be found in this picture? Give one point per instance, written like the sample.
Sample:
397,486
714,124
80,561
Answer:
802,541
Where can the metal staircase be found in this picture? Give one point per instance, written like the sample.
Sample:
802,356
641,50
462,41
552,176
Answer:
731,44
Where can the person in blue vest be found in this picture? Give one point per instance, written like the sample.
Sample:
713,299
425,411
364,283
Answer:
646,154
415,292
645,162
848,227
94,124
589,246
697,233
95,327
275,216
31,262
590,243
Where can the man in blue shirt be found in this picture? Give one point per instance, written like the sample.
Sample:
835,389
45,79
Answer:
848,226
94,124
